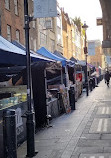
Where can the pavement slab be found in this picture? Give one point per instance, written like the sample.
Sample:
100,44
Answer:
99,155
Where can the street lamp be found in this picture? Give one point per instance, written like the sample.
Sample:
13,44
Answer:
86,53
30,123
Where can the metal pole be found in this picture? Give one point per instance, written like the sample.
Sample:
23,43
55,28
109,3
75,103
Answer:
30,123
87,89
85,52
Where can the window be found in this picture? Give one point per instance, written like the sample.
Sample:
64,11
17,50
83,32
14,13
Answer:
34,42
17,35
52,45
58,22
7,4
43,39
8,32
59,35
33,24
42,22
16,6
0,24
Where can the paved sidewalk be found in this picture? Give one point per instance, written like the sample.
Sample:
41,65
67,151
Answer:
84,133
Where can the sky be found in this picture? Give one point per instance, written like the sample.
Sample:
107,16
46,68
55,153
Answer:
87,10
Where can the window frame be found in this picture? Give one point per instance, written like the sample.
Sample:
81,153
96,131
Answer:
16,7
43,39
18,38
7,4
9,35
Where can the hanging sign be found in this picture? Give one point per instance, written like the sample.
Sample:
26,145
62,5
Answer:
99,21
45,8
91,48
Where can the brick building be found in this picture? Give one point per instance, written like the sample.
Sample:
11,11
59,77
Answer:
12,20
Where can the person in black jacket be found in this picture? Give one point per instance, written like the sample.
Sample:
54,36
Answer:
107,77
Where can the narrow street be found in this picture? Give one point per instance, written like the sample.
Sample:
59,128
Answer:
84,133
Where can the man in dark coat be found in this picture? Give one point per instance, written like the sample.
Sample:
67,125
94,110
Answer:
107,77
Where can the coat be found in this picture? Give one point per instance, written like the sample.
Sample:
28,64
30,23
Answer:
107,76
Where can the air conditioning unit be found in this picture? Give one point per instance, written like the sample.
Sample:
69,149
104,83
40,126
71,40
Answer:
48,24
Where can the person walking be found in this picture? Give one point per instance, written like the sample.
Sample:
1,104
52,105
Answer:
107,77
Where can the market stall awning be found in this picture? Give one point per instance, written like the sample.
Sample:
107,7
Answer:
43,51
69,62
90,65
13,55
19,45
73,59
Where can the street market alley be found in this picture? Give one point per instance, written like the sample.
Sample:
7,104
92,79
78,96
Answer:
83,133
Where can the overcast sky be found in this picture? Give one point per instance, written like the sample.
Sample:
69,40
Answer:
87,10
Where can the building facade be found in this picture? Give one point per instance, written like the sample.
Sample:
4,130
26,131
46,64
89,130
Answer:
73,39
95,53
12,20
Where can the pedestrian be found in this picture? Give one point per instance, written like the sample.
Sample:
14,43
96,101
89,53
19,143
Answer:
107,77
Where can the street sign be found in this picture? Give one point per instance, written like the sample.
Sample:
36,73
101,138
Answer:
99,21
45,8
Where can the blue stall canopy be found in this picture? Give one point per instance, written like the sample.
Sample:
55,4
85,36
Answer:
13,55
68,62
43,51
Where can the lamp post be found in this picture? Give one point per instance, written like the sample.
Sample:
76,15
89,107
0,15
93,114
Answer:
86,53
30,123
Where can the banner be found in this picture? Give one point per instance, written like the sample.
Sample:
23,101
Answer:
45,8
91,48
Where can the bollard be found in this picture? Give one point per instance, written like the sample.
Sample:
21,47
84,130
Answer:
93,82
72,98
30,135
9,134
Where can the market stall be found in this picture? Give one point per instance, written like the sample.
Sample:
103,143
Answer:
13,85
45,90
64,62
12,96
